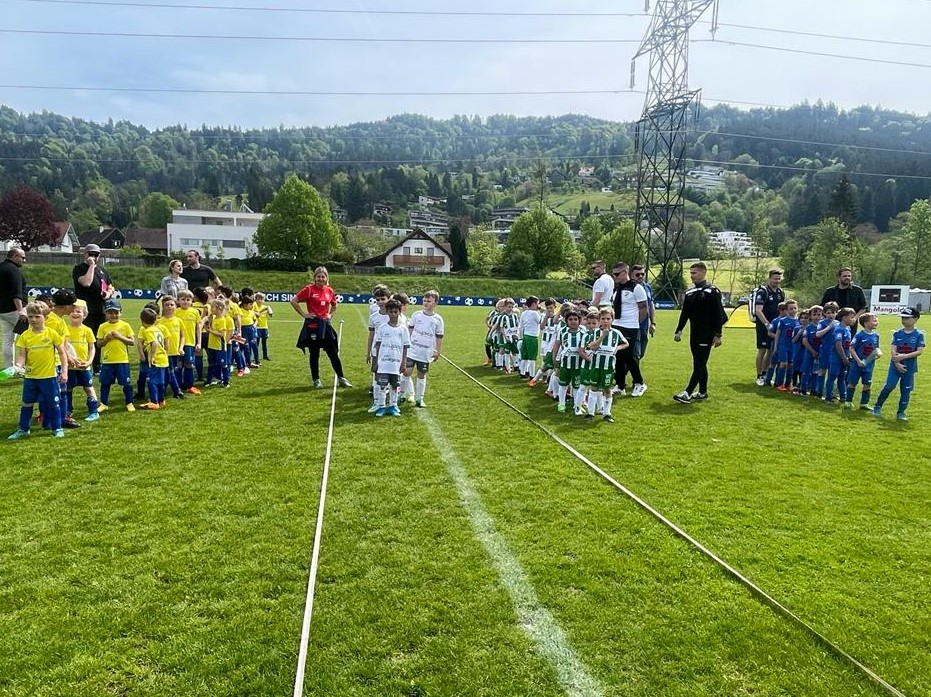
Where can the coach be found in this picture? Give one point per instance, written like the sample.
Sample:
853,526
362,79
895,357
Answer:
92,284
845,293
630,308
12,299
766,301
196,274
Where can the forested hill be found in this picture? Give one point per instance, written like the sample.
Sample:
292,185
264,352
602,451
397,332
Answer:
111,167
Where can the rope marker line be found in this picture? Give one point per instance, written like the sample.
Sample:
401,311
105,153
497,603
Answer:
729,570
318,533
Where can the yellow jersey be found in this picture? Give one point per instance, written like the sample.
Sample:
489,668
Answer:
189,319
172,328
220,323
41,352
155,345
115,351
80,338
262,312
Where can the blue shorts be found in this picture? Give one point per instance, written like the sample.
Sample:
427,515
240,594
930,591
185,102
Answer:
187,356
45,391
80,377
855,373
111,373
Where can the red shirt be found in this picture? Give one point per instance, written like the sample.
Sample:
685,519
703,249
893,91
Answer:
318,300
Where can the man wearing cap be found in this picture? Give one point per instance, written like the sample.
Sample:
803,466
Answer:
12,299
92,284
196,274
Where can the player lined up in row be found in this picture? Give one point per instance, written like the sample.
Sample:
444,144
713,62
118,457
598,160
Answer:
55,354
819,350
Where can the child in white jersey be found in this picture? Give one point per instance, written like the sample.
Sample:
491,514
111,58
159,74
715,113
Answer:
530,320
426,333
392,342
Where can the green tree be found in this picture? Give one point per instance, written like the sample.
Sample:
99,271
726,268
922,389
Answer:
844,203
297,225
620,243
544,237
458,232
831,248
84,220
590,232
916,235
483,250
156,209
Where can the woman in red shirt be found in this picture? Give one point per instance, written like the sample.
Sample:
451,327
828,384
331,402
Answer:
318,333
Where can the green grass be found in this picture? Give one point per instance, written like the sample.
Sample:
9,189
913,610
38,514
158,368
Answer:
166,553
569,204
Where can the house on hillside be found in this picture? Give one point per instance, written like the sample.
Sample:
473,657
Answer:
66,241
105,238
416,252
153,240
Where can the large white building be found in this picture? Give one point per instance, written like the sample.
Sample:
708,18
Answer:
211,231
732,242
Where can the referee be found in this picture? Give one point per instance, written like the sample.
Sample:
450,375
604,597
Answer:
703,306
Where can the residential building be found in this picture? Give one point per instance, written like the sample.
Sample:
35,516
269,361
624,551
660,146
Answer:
433,224
105,238
67,241
209,232
416,252
732,242
153,240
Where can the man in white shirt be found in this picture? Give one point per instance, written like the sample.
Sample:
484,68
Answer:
603,288
630,308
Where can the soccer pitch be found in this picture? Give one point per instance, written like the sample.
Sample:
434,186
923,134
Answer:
464,551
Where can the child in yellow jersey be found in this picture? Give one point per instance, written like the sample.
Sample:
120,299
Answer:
57,320
153,350
263,312
202,305
36,350
190,339
233,346
80,372
113,338
170,324
219,331
247,319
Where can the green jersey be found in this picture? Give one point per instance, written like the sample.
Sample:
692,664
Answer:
603,357
570,343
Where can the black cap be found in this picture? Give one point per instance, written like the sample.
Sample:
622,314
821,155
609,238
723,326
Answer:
910,312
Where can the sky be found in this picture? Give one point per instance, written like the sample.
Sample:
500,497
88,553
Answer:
47,64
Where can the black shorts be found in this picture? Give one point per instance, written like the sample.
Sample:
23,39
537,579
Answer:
763,340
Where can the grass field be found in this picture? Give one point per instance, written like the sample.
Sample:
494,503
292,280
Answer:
464,552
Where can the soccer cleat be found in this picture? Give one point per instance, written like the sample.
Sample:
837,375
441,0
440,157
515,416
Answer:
318,384
699,396
876,411
179,395
901,417
193,390
59,433
255,365
393,411
848,405
240,373
866,407
150,405
162,404
420,404
589,417
246,371
343,382
374,408
225,385
70,422
379,412
561,408
760,381
102,407
682,397
578,411
619,391
609,418
17,434
409,399
93,417
638,390
532,383
129,407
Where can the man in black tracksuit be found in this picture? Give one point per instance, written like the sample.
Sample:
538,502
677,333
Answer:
704,308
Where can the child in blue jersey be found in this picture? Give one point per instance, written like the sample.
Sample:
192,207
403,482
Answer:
785,329
826,333
771,331
907,344
798,351
864,350
840,355
810,367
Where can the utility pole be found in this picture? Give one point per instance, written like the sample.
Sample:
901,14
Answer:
661,137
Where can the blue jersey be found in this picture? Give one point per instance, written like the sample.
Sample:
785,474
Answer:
908,342
787,327
841,334
826,349
864,344
799,350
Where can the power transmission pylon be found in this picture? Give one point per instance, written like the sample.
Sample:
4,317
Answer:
661,137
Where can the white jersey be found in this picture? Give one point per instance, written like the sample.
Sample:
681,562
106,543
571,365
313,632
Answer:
530,322
425,330
375,321
604,285
392,340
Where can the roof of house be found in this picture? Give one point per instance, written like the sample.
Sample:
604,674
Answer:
415,235
62,230
147,237
102,238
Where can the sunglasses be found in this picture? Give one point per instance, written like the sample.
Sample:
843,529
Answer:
638,275
617,273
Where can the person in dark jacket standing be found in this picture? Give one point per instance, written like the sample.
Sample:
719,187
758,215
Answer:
703,307
846,294
92,284
12,299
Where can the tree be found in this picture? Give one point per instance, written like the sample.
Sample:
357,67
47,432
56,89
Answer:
483,250
458,232
27,219
916,234
297,225
620,243
156,210
831,248
541,235
259,188
844,203
84,220
590,232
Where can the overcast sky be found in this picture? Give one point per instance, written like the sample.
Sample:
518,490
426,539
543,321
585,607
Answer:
724,72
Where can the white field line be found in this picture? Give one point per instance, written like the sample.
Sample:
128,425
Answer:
315,554
549,638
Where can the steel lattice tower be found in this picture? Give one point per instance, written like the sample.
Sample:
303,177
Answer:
661,137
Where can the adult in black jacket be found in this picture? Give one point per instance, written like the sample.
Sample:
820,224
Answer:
703,307
845,293
92,284
12,299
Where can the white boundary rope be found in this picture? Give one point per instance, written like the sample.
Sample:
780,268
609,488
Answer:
729,570
318,533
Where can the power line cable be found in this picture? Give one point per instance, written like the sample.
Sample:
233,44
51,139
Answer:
818,35
821,54
323,93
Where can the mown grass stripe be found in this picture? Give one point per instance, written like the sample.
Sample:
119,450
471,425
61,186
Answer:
731,571
550,639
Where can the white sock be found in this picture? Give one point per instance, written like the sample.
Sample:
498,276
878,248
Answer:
379,396
606,407
592,401
599,402
420,388
563,389
578,397
554,382
531,367
392,397
407,385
